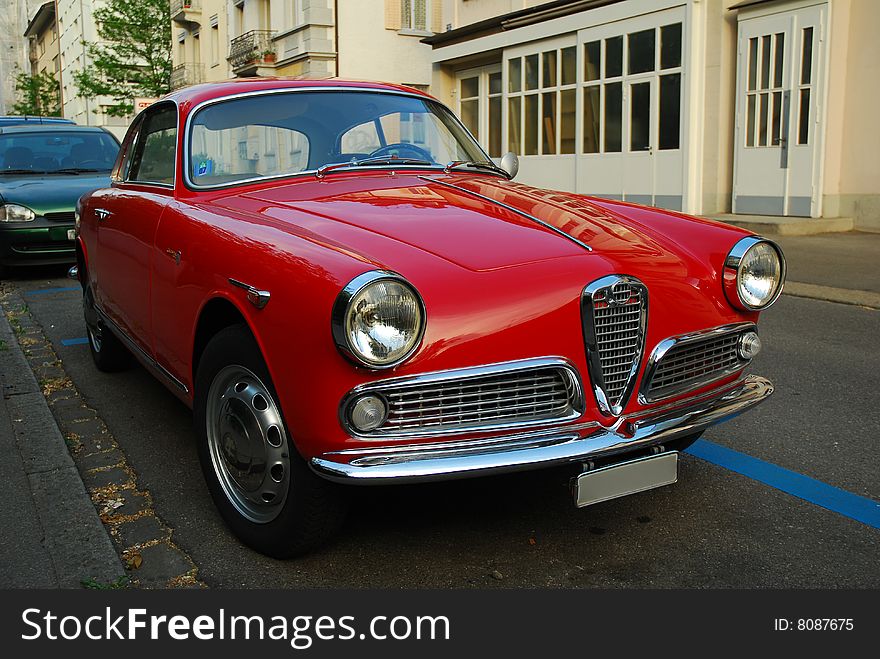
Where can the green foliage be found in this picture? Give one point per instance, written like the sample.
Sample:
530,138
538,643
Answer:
37,94
134,56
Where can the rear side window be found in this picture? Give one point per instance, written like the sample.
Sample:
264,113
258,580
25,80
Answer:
153,157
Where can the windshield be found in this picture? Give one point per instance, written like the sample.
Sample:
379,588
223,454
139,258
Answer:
56,151
271,135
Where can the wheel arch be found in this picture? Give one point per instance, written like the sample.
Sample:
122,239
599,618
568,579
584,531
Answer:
218,313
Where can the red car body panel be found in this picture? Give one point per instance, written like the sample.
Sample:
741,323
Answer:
496,285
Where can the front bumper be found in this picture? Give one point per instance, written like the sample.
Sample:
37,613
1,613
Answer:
40,242
580,443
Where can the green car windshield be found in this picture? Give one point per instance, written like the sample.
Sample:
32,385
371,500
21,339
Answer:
49,152
279,134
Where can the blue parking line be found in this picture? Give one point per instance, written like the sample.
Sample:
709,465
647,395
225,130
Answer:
47,291
861,509
74,342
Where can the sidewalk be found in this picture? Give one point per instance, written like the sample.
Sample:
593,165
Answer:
50,533
839,267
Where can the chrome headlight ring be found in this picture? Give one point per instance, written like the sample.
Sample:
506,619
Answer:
354,330
743,261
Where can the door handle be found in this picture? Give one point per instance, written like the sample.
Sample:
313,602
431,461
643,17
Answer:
102,213
174,254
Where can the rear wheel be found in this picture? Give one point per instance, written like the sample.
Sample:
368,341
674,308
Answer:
262,487
108,352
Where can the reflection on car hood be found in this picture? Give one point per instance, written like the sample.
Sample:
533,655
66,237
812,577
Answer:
449,216
50,193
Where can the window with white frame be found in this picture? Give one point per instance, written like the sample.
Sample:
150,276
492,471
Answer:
618,77
542,102
414,14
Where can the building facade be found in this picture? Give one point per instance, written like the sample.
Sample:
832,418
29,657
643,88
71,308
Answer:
370,39
42,34
14,55
704,106
75,24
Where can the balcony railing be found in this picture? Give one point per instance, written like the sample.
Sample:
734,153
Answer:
185,11
184,75
255,46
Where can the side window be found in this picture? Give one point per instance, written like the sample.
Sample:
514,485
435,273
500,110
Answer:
153,158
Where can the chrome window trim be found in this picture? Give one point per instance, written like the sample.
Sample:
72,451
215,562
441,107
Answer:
588,323
190,185
666,345
381,386
137,137
731,273
340,308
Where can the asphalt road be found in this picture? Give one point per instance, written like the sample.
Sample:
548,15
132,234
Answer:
714,528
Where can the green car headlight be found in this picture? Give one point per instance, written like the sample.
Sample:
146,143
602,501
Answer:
16,213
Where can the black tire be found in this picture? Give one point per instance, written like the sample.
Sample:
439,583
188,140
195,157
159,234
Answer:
108,352
303,510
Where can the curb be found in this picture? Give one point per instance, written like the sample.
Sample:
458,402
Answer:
830,294
141,543
74,538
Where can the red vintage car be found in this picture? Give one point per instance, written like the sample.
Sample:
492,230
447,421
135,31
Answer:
347,290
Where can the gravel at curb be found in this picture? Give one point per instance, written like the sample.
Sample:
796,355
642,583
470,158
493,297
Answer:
98,491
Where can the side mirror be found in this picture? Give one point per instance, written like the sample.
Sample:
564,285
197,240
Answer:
510,163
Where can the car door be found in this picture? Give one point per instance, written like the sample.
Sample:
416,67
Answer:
127,220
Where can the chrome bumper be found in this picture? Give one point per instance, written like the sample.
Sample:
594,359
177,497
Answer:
579,443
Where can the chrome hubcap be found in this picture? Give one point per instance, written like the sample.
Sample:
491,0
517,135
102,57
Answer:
248,444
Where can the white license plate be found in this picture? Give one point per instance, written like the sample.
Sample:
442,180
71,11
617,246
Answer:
71,234
625,478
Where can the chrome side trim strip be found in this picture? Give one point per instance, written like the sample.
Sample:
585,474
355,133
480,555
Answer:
139,352
445,461
502,368
528,216
666,345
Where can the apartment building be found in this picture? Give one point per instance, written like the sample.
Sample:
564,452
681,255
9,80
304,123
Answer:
75,24
43,49
707,106
369,39
13,49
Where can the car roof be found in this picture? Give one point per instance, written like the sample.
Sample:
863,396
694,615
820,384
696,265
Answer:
49,128
28,120
188,97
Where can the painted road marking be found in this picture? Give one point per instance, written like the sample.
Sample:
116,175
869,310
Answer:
74,342
861,509
47,291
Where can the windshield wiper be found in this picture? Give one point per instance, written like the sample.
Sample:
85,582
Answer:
378,160
77,170
476,164
23,171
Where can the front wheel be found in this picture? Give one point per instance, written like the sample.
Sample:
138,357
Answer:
262,487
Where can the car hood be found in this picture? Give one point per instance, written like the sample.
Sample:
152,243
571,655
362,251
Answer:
484,223
50,193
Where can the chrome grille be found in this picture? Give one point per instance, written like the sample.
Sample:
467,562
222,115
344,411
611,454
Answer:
693,362
478,400
618,327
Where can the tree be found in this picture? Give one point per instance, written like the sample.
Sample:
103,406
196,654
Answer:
134,56
37,94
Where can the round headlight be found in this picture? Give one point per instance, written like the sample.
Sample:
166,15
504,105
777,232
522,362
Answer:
15,213
754,273
378,319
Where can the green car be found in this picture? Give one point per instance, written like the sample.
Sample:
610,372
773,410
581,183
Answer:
44,169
